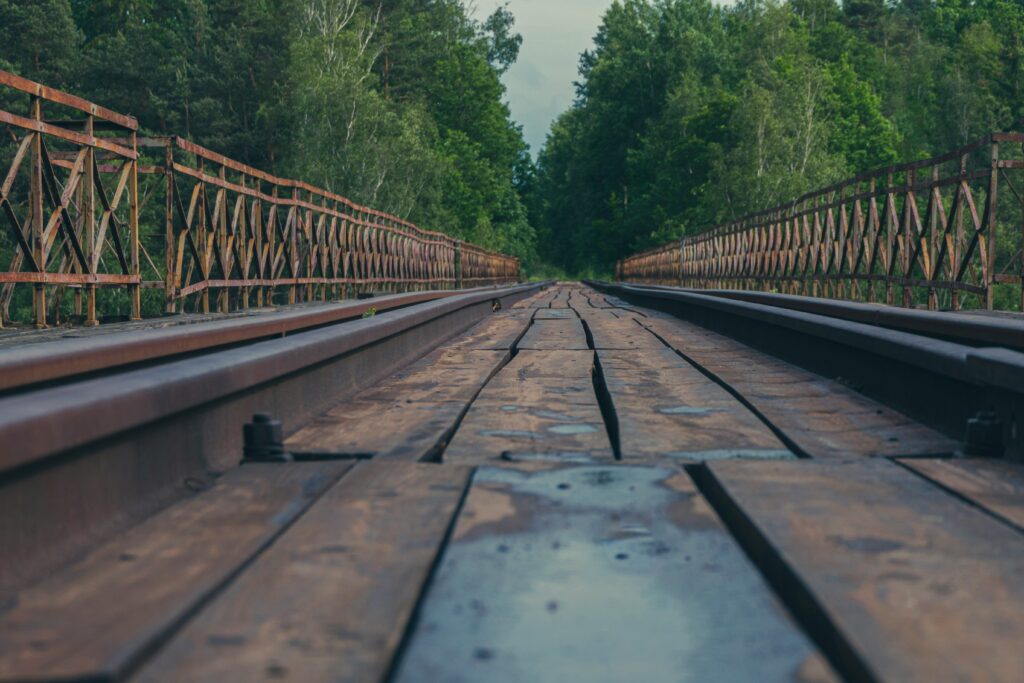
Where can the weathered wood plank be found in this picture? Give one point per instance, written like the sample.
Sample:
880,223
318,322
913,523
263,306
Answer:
562,335
541,300
664,406
543,402
499,332
331,599
610,332
561,298
555,314
903,581
822,417
996,485
102,615
412,414
599,574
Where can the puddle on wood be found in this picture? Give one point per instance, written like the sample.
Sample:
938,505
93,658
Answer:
602,575
552,415
686,410
566,457
569,430
511,434
733,454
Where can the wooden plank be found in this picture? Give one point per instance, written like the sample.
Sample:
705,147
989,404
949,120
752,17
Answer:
596,299
561,299
499,332
412,414
555,314
101,616
666,407
822,417
331,599
599,574
901,581
541,403
610,332
541,300
995,485
565,335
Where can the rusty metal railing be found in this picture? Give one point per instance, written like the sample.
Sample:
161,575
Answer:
72,221
71,203
937,233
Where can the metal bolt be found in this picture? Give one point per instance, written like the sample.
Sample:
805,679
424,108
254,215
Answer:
984,436
264,440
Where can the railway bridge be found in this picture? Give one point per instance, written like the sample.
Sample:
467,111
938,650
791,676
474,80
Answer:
361,451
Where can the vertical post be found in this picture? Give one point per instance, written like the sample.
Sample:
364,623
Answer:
992,229
890,243
292,230
458,264
134,289
933,239
170,239
89,212
222,241
204,250
80,196
908,237
680,269
36,198
243,245
1020,280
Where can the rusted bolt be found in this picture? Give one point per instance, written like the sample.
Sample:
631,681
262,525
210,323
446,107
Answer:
264,440
984,436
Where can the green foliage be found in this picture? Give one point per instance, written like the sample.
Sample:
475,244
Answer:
397,104
689,114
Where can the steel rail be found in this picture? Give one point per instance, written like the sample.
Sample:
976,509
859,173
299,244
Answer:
82,459
961,327
940,383
61,359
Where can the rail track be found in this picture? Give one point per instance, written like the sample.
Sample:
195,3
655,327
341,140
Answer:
944,370
520,483
112,425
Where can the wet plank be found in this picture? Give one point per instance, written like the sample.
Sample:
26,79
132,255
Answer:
822,417
905,582
541,403
995,485
666,407
599,574
564,335
100,617
331,599
542,300
496,333
611,332
412,414
555,314
561,298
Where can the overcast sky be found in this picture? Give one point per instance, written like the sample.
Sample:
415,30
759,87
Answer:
554,32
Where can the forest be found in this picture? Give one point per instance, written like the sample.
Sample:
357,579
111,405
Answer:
396,104
686,112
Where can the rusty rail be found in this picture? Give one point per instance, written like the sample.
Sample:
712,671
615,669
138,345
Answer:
228,229
866,238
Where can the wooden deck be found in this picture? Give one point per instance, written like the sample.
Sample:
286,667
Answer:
574,490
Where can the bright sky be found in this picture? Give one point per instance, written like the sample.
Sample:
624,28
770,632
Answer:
554,32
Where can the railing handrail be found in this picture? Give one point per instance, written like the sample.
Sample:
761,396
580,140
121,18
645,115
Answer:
780,245
83,211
